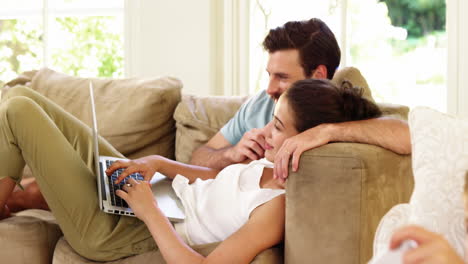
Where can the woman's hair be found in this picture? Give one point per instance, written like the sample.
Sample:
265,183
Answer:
315,102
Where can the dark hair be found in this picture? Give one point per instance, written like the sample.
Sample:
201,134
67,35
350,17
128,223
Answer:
313,39
315,102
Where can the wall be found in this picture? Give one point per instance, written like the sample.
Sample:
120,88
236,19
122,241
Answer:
173,38
457,99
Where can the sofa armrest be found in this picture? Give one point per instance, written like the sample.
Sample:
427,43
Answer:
334,202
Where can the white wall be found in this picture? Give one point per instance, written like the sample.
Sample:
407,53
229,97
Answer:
173,38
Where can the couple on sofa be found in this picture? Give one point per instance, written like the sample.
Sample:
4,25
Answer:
311,113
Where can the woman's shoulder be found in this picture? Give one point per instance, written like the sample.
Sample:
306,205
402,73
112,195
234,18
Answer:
273,208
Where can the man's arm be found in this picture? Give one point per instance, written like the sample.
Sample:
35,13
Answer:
219,153
389,133
213,153
392,134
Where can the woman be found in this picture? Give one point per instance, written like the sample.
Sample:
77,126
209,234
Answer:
235,205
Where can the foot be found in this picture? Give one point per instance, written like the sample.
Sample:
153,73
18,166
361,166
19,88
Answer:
30,198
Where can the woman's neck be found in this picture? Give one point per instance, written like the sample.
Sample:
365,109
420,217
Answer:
267,181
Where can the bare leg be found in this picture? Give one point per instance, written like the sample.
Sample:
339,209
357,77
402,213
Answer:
29,198
6,188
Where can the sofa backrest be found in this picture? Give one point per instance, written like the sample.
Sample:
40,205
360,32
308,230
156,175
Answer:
199,118
141,108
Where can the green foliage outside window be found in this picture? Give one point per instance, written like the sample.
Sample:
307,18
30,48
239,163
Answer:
418,17
20,47
90,46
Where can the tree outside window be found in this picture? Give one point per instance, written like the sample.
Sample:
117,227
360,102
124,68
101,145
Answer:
81,38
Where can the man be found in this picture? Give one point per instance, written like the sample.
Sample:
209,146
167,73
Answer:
297,50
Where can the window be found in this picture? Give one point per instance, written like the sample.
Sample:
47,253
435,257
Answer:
78,37
400,46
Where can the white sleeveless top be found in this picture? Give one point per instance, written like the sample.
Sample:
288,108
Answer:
216,208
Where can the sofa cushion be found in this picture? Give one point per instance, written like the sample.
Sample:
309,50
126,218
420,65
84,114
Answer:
29,236
64,254
440,160
199,118
134,115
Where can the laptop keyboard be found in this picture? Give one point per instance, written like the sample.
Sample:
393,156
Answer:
115,200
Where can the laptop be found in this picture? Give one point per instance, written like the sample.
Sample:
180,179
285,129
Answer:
109,202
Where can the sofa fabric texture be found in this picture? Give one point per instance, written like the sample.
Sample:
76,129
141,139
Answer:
29,237
143,108
440,161
333,202
199,118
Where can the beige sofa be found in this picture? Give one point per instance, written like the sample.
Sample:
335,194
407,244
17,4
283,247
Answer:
334,201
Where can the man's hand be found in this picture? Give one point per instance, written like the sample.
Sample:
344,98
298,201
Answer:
432,247
251,146
139,197
295,146
146,166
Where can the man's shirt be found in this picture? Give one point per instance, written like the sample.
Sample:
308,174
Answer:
255,113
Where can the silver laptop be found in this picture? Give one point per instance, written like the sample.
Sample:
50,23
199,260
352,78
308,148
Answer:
109,202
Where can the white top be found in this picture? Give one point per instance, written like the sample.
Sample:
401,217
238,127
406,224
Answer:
216,208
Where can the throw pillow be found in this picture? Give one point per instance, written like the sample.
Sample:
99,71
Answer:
199,119
134,115
440,160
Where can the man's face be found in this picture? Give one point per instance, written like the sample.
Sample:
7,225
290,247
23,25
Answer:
284,69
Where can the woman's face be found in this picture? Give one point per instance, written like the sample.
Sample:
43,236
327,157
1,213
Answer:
279,129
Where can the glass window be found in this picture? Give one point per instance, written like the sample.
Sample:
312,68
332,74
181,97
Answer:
400,46
20,46
267,14
78,37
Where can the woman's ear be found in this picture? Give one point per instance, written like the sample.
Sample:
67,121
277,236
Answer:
320,72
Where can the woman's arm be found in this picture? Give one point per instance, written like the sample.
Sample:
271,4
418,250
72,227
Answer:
147,166
264,229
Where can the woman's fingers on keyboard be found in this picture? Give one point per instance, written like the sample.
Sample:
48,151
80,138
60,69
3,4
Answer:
126,172
117,165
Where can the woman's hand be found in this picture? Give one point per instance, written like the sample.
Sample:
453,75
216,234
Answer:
293,147
146,166
139,196
432,247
